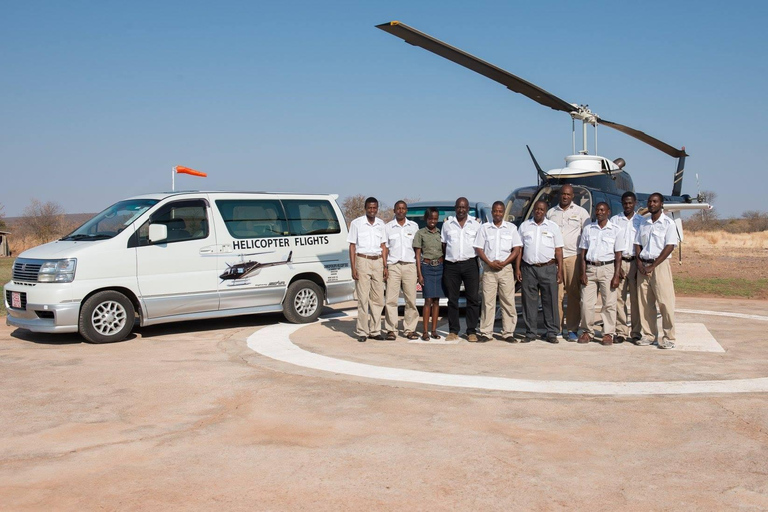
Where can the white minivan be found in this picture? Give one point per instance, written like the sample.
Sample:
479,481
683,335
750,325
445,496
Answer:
177,256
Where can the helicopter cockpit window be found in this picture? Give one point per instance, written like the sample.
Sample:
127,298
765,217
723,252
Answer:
518,204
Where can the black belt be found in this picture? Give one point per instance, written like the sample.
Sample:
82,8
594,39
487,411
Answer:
630,258
550,262
599,263
650,262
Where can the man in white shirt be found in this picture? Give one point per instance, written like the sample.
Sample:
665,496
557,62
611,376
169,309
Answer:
458,237
401,266
628,328
367,254
498,245
655,240
571,219
600,251
540,270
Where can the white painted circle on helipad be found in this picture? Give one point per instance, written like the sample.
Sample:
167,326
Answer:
274,342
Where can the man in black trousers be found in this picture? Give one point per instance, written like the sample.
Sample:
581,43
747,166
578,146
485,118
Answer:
458,236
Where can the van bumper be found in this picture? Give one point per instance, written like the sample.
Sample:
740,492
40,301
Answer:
55,317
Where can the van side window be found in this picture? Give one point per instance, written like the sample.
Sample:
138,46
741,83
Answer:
253,218
311,217
185,220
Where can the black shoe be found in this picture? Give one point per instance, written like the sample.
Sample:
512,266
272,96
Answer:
377,337
528,338
483,339
511,339
552,339
361,339
619,339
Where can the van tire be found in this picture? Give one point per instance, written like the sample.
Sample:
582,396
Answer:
106,317
303,302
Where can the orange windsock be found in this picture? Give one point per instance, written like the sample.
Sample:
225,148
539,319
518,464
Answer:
180,169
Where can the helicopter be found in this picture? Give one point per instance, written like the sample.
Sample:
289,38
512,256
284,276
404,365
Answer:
594,178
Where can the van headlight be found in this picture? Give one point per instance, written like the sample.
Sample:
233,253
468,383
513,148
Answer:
57,271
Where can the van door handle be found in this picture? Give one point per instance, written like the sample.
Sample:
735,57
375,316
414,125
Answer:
206,250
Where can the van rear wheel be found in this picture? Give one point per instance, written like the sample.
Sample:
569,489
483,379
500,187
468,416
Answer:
106,317
303,302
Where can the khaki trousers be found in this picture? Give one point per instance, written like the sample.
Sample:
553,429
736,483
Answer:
571,287
402,276
657,291
628,290
502,284
598,279
369,289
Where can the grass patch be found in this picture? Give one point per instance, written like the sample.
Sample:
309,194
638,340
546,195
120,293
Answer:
6,265
721,287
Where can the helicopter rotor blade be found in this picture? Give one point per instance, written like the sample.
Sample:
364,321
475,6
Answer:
644,137
512,82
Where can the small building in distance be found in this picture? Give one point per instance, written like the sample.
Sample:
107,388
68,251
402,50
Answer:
4,249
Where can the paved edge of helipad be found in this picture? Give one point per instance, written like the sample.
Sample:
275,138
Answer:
274,342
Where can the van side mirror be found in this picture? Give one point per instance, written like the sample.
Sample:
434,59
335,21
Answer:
157,232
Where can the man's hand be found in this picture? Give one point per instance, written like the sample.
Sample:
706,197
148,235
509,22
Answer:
519,275
354,274
496,265
421,280
559,275
583,279
386,273
615,281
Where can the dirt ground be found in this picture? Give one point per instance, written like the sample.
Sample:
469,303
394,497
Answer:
187,417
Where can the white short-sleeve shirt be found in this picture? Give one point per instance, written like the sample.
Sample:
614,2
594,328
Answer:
539,240
459,241
601,244
497,242
654,236
630,230
367,237
400,241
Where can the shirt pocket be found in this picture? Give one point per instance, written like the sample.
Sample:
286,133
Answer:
505,242
607,244
548,241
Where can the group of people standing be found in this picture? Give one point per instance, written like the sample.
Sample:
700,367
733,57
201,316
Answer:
559,253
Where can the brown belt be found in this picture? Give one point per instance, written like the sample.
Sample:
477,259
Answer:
403,263
550,262
598,263
368,257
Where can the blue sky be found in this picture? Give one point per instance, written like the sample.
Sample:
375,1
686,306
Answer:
100,99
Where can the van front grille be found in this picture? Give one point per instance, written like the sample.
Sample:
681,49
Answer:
26,270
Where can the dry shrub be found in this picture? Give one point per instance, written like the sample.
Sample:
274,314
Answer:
728,244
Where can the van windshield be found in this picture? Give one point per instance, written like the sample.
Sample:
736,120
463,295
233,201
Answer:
111,221
416,214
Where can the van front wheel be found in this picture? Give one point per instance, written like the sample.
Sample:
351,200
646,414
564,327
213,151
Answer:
303,302
106,317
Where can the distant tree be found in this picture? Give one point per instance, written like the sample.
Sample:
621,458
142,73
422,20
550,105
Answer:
756,220
42,221
705,217
354,207
2,219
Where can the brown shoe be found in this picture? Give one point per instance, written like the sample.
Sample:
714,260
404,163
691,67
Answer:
607,340
585,338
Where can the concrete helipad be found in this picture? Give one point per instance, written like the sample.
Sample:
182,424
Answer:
188,416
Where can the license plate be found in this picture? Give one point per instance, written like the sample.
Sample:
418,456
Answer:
16,300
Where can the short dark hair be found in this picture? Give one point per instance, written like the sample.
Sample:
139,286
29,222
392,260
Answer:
429,211
658,194
546,204
628,194
459,199
401,202
606,205
501,203
370,200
